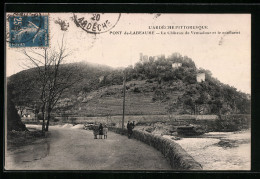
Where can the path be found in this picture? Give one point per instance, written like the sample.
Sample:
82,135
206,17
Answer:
75,149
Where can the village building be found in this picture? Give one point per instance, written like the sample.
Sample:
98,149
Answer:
162,56
27,112
151,58
143,58
176,65
200,77
101,78
175,55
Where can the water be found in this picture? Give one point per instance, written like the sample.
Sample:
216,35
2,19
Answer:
220,150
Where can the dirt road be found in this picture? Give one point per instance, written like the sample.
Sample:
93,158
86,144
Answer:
76,149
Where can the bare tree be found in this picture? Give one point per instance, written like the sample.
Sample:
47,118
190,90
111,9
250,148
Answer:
53,81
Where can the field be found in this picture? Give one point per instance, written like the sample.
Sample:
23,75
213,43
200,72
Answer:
140,99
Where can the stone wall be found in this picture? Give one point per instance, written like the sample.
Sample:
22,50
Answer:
179,159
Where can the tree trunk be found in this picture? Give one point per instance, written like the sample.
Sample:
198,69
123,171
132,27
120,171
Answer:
43,118
219,115
21,112
48,119
36,117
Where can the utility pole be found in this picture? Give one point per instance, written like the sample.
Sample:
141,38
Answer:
123,119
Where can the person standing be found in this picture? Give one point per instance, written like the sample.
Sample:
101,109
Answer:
95,131
105,130
100,128
128,129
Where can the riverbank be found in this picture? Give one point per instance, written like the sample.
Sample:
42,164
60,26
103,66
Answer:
219,150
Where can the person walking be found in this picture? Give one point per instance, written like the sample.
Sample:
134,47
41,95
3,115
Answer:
100,129
130,129
105,130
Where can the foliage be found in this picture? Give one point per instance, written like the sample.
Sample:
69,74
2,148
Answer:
230,123
73,120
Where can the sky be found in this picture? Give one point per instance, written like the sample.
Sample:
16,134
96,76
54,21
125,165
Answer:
227,56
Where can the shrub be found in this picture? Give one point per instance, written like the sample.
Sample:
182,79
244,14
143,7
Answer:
149,81
112,124
229,123
149,129
73,120
54,119
137,90
64,118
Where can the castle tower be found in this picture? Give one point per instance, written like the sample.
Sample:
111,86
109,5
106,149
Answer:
200,77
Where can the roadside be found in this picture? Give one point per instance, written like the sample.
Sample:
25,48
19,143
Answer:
16,139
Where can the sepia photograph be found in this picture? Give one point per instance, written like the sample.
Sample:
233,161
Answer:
127,91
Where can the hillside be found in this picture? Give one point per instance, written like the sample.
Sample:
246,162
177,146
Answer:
153,86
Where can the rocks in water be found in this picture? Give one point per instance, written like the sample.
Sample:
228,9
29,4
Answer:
88,126
174,134
189,131
175,138
225,143
160,128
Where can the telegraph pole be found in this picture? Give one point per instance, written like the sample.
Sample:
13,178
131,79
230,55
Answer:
123,119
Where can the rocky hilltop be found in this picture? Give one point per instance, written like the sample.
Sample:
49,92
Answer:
155,85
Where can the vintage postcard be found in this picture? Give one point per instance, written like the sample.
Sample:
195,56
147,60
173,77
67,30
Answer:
127,91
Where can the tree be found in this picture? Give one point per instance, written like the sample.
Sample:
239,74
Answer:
22,97
53,80
217,106
36,112
201,101
190,103
13,119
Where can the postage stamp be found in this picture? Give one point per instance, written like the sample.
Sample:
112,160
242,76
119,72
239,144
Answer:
96,23
28,30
